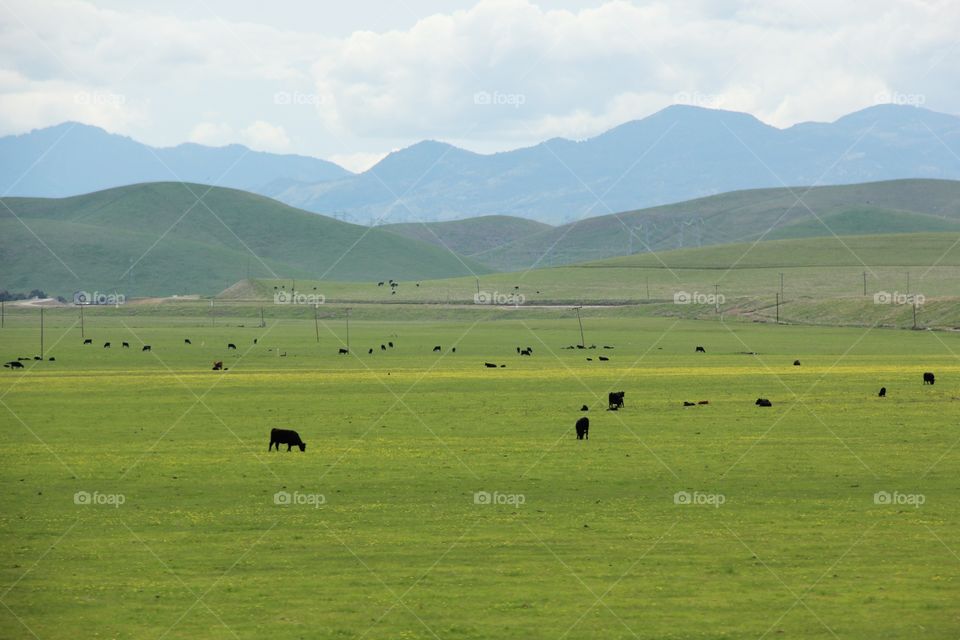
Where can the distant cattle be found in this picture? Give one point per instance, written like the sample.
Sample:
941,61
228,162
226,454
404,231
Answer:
343,351
883,392
390,344
437,348
383,347
370,350
583,428
589,359
929,378
701,350
603,358
13,364
146,347
796,363
525,352
288,437
580,346
218,366
453,350
52,359
615,400
254,341
38,357
88,341
763,402
689,404
187,341
503,366
489,365
380,284
606,346
584,408
22,359
231,346
125,345
703,402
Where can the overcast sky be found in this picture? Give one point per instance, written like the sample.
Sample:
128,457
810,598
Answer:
351,81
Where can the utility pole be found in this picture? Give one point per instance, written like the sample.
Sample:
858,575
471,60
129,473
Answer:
213,313
316,324
82,334
864,283
348,328
262,323
648,287
716,298
781,284
478,287
41,332
2,315
914,313
580,322
778,308
908,283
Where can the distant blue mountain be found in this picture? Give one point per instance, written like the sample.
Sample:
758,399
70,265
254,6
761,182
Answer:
72,158
676,154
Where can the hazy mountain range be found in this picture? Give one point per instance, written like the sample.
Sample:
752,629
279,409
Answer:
677,154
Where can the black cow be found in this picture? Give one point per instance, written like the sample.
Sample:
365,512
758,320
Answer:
606,346
883,392
342,352
584,408
688,404
615,400
254,341
379,284
288,437
701,350
525,352
106,345
231,346
583,428
38,357
187,341
146,347
125,345
437,348
763,402
13,364
703,402
370,350
796,363
929,378
51,359
88,341
218,365
603,358
489,365
589,359
383,347
453,350
22,359
390,344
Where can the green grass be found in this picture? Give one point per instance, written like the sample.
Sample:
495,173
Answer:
399,442
470,236
158,239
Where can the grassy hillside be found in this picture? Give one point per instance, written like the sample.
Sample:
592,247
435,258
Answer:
158,239
473,235
872,208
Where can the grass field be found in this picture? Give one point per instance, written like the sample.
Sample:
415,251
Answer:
783,535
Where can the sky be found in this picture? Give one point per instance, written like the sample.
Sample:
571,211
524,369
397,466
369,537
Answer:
350,82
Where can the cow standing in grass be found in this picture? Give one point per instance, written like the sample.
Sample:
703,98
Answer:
288,437
583,428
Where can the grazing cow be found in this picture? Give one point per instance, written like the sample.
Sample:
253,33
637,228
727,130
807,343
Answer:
383,347
583,428
589,359
518,350
380,284
22,359
125,345
584,408
883,392
796,363
606,346
703,402
187,341
489,365
254,341
88,341
615,399
453,350
525,352
688,404
580,346
342,352
146,347
106,345
370,350
437,348
763,402
218,365
13,364
603,358
51,359
701,350
288,437
390,344
38,357
232,346
503,366
929,378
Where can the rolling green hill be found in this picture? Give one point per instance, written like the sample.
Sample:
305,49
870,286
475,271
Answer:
158,239
896,206
473,235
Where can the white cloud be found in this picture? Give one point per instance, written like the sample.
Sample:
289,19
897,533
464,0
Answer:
264,136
